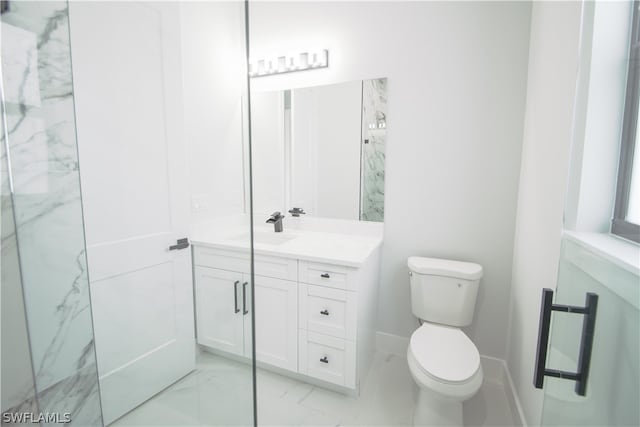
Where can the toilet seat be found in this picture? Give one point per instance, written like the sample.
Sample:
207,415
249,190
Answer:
444,353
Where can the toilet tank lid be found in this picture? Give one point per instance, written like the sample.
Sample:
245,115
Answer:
445,267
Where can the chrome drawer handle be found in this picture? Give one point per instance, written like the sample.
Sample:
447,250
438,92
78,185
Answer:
325,312
324,360
325,275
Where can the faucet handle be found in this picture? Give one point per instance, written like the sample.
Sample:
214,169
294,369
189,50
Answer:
276,216
297,211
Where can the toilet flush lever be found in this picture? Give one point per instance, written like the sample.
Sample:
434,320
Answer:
325,312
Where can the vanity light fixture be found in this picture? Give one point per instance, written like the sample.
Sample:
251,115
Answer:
298,61
381,124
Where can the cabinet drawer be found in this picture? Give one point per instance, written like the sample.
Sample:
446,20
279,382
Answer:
328,311
279,268
330,275
222,259
327,358
269,266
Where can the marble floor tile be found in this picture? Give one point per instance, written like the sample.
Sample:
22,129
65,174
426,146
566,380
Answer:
219,393
489,407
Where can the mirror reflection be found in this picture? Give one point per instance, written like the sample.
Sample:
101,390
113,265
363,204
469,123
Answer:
321,150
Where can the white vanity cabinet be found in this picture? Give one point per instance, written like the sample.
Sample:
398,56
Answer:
221,317
223,310
312,319
328,307
276,314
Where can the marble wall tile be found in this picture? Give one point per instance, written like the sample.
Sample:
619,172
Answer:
374,134
44,166
17,381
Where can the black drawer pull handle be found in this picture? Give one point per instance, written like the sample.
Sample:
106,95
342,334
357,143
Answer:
325,275
235,296
325,312
324,360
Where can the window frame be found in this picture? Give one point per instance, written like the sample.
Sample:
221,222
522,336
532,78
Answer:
619,224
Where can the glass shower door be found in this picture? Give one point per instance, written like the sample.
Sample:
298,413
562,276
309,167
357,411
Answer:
613,384
144,75
48,253
110,262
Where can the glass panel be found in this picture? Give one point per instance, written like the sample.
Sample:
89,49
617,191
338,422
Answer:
633,210
154,171
161,145
318,183
613,389
43,164
374,131
18,386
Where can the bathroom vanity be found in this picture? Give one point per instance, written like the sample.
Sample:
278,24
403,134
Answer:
315,298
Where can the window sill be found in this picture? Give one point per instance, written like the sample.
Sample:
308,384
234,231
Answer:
623,253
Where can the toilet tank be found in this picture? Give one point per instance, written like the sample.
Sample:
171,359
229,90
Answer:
444,291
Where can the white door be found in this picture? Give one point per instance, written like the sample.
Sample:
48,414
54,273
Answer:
276,331
129,122
219,309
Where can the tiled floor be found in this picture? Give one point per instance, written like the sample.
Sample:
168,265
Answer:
219,393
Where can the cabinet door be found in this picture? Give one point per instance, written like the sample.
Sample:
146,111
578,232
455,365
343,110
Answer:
219,314
276,313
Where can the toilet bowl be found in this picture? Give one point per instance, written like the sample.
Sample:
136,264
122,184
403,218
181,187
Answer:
445,365
444,362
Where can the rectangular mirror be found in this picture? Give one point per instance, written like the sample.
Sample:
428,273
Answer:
321,149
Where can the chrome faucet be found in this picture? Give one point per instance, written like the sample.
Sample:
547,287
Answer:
276,220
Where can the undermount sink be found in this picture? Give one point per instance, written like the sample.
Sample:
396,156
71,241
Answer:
266,237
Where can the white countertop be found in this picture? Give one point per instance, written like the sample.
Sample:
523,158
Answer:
343,248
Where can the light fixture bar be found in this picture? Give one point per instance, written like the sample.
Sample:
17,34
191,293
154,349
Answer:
298,61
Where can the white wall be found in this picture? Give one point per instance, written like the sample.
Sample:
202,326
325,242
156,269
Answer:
456,89
553,67
213,82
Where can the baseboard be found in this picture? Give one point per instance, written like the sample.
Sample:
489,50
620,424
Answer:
512,397
391,344
492,369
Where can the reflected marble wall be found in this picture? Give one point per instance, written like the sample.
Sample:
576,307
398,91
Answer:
40,118
374,135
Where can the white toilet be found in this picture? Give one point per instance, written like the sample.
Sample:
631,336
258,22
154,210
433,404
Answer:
443,361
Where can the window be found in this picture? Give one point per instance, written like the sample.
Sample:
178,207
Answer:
626,215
